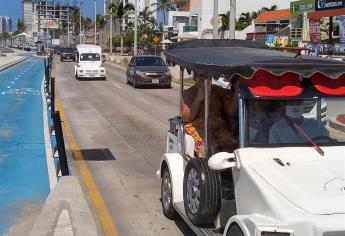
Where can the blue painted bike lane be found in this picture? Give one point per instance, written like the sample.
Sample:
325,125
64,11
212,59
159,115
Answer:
23,166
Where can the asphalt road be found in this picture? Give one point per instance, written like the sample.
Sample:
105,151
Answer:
111,119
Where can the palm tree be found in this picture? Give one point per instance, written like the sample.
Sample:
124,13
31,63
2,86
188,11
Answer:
264,9
101,22
163,6
224,26
146,19
121,11
74,19
246,18
20,25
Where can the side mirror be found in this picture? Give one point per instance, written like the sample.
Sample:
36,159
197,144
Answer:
222,161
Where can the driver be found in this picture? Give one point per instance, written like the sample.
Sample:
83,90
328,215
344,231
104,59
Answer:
294,128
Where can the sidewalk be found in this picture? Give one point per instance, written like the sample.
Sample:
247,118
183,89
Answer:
10,60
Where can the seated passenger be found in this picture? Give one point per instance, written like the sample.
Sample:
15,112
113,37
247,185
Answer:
193,116
294,128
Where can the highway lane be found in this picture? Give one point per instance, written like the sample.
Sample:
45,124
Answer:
110,118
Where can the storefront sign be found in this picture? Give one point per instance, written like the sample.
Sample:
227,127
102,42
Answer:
270,38
299,7
49,23
321,5
315,31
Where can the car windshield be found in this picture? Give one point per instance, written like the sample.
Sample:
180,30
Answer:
68,50
149,61
296,122
90,57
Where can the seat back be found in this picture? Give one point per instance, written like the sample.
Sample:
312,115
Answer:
189,145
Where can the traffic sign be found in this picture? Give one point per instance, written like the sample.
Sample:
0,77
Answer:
270,38
156,39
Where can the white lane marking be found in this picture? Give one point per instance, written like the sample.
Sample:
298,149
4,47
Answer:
8,87
48,145
116,85
144,101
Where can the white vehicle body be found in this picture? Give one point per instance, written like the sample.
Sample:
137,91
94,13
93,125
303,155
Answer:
281,170
303,197
89,62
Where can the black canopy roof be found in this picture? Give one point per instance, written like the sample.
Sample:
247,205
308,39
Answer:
230,57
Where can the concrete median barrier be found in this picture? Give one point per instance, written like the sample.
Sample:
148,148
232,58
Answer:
65,212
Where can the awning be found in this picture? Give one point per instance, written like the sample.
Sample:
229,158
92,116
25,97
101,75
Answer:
226,58
326,13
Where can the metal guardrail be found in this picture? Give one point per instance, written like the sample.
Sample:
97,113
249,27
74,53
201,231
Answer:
49,92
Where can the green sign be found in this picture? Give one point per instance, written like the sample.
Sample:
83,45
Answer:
299,7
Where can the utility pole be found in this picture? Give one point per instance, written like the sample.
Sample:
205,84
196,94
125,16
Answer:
215,19
95,23
80,3
136,28
68,27
232,19
111,28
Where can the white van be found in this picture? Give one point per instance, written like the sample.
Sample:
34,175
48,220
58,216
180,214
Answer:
89,62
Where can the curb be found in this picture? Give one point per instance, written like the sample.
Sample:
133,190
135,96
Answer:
4,67
337,125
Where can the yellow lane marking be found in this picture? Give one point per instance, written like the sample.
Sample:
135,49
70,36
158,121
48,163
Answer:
103,214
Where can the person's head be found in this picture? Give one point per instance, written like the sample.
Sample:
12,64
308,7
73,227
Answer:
294,109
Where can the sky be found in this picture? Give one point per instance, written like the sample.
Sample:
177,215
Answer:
13,8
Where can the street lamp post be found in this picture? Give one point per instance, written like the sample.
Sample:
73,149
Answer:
232,19
215,19
111,29
80,3
95,23
135,28
68,42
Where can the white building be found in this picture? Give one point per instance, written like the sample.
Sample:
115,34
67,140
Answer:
198,21
27,15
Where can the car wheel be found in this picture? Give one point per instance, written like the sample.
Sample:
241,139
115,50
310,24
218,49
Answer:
135,85
166,196
168,86
201,192
234,230
127,81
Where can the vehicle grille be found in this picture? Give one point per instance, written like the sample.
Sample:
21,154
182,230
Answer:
91,71
154,75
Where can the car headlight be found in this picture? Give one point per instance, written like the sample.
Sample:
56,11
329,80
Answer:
81,71
140,73
167,73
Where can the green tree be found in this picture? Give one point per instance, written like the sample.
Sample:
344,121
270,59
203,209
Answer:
101,22
119,12
224,25
164,6
146,19
20,26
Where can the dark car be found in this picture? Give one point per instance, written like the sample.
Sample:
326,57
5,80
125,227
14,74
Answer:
148,70
68,54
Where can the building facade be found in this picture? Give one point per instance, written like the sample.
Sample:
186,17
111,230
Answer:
27,7
5,24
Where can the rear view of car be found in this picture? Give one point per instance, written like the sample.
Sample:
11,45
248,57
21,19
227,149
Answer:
67,54
148,70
